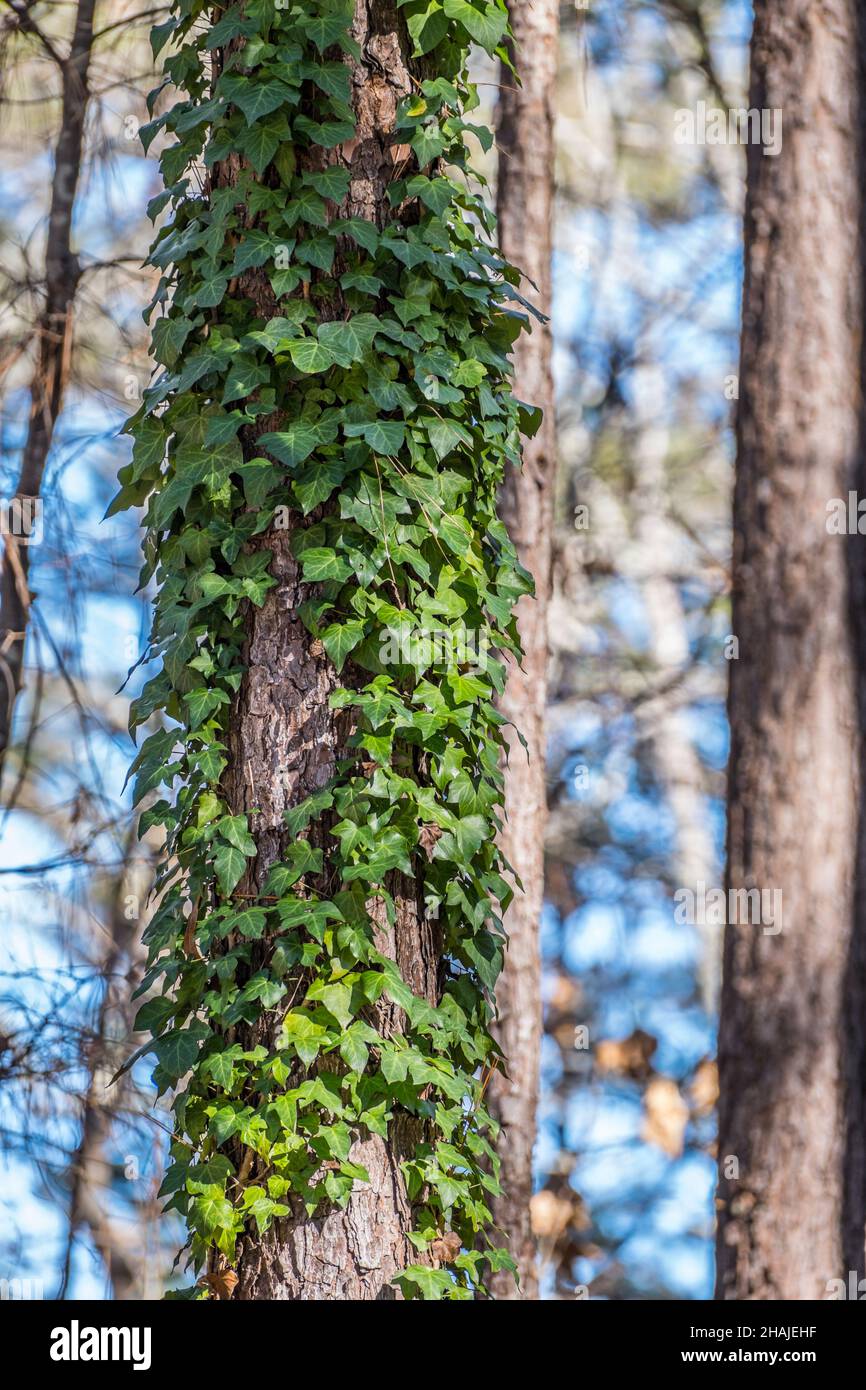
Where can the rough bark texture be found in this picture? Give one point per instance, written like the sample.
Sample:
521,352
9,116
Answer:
525,209
54,333
285,743
791,1048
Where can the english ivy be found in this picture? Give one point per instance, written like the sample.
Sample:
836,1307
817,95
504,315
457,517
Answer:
397,424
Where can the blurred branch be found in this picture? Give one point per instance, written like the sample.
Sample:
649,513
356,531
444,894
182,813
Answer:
690,15
54,330
28,25
129,20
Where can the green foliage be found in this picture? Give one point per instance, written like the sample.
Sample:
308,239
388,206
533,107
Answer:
387,363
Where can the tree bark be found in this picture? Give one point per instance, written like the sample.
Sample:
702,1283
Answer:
54,333
285,744
791,1048
525,209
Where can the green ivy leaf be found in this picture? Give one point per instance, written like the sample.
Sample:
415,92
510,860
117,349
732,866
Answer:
254,250
431,1284
383,436
299,859
310,356
337,999
178,1051
427,26
230,864
359,229
486,26
332,183
297,441
212,1213
321,563
341,638
234,829
349,341
251,923
256,99
259,144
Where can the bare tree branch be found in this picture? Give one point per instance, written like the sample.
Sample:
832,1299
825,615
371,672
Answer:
52,367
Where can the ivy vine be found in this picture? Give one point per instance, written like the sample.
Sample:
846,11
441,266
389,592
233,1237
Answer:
386,365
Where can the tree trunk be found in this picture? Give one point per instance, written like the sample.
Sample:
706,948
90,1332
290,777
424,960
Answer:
54,333
120,1243
791,1049
285,745
525,211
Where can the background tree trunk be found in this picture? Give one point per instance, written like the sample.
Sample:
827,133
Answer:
121,1243
285,745
791,1048
525,210
53,353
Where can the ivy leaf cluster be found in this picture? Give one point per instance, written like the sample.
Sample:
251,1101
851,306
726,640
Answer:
370,414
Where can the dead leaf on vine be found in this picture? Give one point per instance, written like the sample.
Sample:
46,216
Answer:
446,1248
222,1283
190,945
427,838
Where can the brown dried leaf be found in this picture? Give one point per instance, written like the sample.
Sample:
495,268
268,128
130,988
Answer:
551,1215
704,1090
564,1035
565,997
428,837
558,1209
222,1283
627,1056
190,945
666,1115
446,1248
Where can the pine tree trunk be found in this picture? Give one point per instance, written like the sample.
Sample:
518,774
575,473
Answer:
525,210
286,742
791,1050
